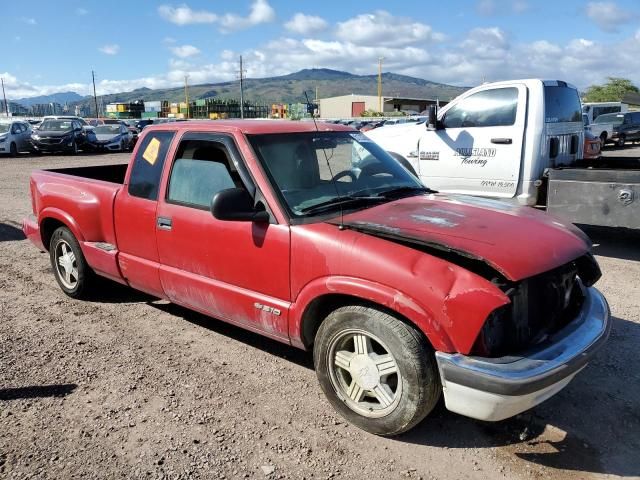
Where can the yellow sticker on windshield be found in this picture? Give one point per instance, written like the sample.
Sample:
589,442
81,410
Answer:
151,152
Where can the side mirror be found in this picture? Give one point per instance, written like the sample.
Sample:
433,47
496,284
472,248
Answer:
236,204
432,122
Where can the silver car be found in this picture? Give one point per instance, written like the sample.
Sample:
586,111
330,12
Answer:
14,137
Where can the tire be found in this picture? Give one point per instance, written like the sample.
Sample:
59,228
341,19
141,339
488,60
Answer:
13,150
353,346
74,148
404,162
70,268
621,141
603,139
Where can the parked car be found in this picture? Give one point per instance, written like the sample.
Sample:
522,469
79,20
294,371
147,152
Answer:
85,125
602,126
115,137
403,294
626,127
61,136
140,124
592,146
14,137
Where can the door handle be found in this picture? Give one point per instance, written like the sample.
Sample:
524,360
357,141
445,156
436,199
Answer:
164,223
502,141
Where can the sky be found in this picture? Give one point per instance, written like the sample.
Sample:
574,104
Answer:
53,46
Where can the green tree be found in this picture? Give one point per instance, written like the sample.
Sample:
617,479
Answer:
612,91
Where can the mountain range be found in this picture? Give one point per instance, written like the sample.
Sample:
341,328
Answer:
289,88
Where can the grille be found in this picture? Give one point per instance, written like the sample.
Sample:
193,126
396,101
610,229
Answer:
540,306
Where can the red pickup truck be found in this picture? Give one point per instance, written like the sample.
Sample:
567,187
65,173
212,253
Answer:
314,236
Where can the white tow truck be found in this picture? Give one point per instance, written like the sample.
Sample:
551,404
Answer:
520,141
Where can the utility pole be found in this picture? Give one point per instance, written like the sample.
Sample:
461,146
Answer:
6,105
95,98
186,92
241,89
380,59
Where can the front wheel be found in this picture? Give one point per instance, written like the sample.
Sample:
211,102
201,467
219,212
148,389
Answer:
13,150
603,139
74,148
377,371
70,268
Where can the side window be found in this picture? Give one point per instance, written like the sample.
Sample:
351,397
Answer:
15,129
635,118
147,165
201,169
490,108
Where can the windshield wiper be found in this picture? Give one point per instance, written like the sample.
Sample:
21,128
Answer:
348,200
403,191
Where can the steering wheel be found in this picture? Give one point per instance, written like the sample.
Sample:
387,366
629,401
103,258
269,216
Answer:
344,173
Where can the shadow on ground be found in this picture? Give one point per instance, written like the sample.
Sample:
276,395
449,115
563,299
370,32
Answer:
37,391
614,242
10,233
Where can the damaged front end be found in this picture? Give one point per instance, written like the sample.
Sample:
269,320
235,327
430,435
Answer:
540,306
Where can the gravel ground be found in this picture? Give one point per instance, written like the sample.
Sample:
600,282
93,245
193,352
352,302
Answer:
130,387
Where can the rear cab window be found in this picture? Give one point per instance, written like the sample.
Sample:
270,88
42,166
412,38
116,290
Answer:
146,171
562,104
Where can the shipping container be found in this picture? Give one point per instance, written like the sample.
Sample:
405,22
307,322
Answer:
150,114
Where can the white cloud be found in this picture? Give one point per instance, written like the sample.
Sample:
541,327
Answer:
30,21
260,12
81,11
608,15
383,29
110,49
305,24
183,15
486,7
184,51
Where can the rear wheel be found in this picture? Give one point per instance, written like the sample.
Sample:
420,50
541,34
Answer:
377,371
70,268
621,141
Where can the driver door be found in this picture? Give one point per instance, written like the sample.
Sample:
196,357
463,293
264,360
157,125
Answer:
479,150
237,271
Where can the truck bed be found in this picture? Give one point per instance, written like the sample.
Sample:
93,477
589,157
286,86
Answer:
106,173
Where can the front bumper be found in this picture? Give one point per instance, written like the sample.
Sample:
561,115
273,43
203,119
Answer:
51,146
493,389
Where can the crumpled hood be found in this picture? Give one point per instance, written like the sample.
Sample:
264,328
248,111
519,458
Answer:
517,241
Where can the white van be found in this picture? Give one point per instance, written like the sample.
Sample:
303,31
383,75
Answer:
494,140
594,109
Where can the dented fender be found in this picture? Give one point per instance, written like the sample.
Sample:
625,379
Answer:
466,300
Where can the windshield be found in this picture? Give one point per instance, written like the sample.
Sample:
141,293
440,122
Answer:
614,118
325,172
55,126
4,127
108,129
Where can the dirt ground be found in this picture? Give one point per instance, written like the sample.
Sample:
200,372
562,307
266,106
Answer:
129,387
